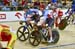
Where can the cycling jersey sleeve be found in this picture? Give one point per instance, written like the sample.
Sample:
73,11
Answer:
27,14
45,13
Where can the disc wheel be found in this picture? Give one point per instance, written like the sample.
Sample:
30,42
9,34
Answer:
55,35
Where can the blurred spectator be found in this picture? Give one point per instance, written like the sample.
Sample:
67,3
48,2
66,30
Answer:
53,1
59,5
24,2
36,3
48,6
42,5
14,3
31,4
6,2
51,5
1,3
30,1
6,8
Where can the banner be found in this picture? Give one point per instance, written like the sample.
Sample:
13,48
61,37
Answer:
17,15
11,16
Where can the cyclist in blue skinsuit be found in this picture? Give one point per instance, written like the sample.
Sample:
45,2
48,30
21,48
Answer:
28,13
35,14
31,15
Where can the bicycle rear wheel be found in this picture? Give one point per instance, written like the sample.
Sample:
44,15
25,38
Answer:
35,38
55,35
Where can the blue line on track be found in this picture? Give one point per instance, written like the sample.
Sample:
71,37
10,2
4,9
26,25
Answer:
58,46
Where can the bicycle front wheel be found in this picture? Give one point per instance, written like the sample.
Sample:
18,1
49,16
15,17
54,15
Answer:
23,33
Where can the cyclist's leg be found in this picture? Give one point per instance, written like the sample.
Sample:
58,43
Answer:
28,22
50,23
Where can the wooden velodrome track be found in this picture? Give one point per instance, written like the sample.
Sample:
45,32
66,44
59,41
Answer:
66,41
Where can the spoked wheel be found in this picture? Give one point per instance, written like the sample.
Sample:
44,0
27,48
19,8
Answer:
55,35
23,33
35,38
63,24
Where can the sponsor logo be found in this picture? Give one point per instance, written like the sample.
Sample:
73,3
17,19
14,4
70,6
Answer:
18,15
2,16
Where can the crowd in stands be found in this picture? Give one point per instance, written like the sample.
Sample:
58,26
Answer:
10,5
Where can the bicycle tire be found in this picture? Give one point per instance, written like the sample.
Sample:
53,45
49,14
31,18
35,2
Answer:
36,36
55,35
63,24
22,33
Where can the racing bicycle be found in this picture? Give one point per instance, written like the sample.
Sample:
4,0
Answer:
37,35
68,19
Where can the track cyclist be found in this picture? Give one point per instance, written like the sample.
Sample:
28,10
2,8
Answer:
71,9
31,15
48,17
7,36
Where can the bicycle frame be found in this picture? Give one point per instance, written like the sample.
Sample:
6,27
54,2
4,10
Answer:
44,35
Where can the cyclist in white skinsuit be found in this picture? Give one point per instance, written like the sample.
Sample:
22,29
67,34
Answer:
48,17
43,21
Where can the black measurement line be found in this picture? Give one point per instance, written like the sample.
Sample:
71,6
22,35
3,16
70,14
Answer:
58,46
